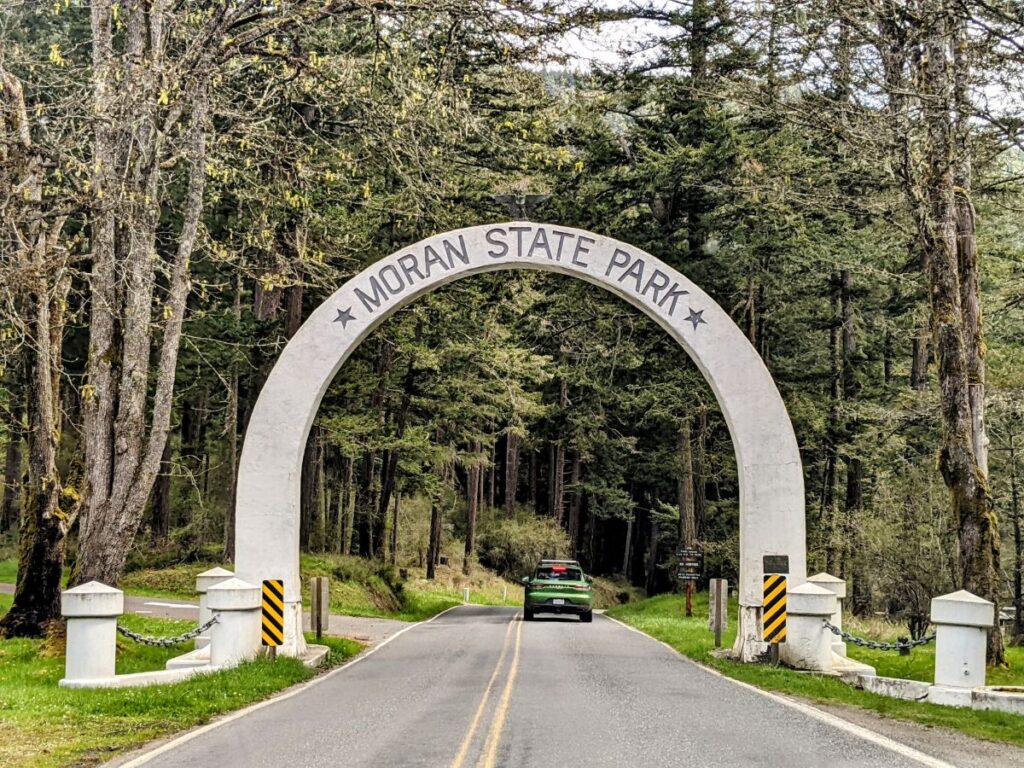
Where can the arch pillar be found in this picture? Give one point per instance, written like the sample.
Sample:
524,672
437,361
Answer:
767,456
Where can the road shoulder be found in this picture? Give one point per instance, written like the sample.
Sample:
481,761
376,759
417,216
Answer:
942,745
953,747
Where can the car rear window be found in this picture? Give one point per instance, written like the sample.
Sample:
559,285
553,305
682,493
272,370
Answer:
559,573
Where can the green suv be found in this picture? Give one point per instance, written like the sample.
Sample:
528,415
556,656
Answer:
558,586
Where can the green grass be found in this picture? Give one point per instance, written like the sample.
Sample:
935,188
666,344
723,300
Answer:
920,664
662,618
8,570
176,582
42,725
361,587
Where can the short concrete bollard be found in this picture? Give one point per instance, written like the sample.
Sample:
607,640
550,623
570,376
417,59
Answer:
91,611
836,586
961,624
808,644
236,635
204,581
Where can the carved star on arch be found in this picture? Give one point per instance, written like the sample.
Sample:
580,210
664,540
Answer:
697,318
344,316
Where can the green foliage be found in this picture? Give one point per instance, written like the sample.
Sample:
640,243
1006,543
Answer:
359,586
513,546
762,181
8,570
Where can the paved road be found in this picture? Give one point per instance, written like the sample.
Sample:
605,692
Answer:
478,687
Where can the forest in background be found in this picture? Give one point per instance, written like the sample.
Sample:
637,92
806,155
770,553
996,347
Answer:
181,184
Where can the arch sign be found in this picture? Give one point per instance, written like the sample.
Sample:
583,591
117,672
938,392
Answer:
770,475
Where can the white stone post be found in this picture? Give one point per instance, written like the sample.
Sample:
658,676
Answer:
204,581
961,624
91,611
236,635
837,587
808,644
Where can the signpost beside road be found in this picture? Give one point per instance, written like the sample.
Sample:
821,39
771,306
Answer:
691,561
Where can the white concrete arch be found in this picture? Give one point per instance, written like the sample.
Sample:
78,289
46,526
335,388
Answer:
770,474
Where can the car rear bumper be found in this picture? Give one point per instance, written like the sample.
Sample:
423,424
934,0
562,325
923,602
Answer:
568,607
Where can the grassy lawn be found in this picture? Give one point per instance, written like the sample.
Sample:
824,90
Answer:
43,725
920,664
662,618
8,570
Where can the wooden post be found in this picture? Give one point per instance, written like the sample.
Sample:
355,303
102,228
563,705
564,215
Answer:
718,606
319,604
689,598
313,599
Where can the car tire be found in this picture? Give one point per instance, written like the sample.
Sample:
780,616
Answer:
527,614
587,617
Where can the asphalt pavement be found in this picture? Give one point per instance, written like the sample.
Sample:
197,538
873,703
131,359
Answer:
479,687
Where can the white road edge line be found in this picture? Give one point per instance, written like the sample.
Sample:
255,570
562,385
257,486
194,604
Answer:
191,606
287,694
826,717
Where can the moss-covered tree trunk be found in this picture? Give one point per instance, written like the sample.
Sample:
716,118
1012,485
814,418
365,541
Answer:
512,442
684,493
474,477
434,545
160,514
948,228
44,524
10,508
1018,550
575,504
42,303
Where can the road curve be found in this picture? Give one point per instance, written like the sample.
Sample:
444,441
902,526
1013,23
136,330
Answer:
476,687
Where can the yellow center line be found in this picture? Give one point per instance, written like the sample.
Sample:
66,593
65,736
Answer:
464,747
490,755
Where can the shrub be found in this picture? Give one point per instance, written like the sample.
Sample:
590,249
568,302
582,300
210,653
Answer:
512,547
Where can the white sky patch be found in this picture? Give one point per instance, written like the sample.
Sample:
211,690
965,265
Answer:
610,46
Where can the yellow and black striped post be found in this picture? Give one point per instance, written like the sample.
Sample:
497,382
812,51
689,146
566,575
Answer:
273,612
773,608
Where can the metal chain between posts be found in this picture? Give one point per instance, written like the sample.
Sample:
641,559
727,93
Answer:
903,646
164,642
